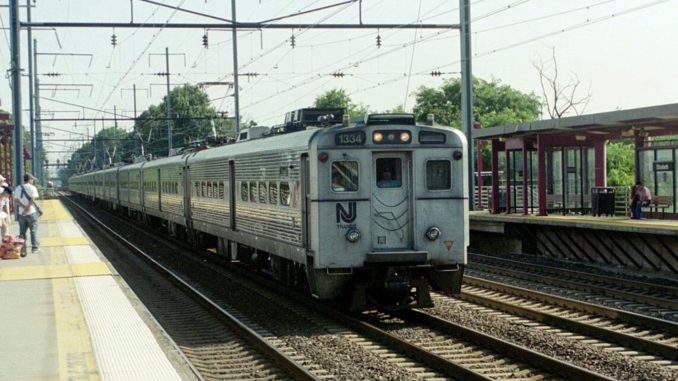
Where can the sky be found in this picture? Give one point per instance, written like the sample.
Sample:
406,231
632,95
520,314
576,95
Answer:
623,53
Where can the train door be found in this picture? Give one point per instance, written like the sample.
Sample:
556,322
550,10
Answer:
158,188
391,205
305,200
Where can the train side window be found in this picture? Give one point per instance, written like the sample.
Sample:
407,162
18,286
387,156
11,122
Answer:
196,190
389,172
345,176
244,194
253,191
285,196
221,190
273,193
262,192
438,175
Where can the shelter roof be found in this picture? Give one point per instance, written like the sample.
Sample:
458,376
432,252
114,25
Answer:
654,120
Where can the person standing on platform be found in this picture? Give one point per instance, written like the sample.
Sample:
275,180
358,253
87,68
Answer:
5,196
29,212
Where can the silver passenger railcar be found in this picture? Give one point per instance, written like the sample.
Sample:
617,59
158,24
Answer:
377,211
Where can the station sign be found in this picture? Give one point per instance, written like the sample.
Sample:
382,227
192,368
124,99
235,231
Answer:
663,166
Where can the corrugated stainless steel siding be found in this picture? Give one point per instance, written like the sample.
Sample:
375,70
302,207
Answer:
211,210
171,202
275,221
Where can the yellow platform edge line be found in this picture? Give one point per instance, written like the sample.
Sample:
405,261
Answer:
74,347
54,271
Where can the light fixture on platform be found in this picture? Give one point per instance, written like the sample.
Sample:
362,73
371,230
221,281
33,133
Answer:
580,138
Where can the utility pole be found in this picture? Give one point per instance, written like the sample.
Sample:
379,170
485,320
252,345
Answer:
38,124
236,93
134,127
15,69
31,115
115,130
467,91
169,105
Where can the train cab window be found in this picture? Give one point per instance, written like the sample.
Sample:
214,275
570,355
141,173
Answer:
345,176
244,194
262,192
438,176
273,193
253,191
285,195
389,172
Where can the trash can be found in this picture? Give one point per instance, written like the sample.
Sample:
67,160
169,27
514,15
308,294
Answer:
602,201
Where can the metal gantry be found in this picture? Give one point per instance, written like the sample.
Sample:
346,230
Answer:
465,40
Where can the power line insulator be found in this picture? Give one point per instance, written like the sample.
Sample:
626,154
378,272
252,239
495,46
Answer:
114,40
293,41
205,41
378,41
436,73
338,75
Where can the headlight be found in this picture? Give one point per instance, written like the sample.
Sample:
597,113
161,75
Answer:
433,233
404,137
377,137
353,235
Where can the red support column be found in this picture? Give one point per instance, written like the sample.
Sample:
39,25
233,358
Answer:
636,159
507,171
600,162
526,194
495,176
541,174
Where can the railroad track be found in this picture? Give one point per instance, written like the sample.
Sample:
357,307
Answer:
421,346
639,336
216,343
645,298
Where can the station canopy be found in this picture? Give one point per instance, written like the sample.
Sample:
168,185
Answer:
622,124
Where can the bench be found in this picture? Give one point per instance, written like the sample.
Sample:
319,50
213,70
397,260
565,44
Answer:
660,202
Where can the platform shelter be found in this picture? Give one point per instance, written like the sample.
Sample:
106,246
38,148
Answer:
553,166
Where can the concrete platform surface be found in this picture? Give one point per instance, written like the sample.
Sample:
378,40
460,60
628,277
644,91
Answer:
68,316
479,220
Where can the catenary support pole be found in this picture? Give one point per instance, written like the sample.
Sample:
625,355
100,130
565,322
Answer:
39,153
31,115
134,127
236,87
169,105
15,69
467,90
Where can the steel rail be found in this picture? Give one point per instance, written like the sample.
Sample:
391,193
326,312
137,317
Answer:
658,288
526,355
249,335
612,336
571,284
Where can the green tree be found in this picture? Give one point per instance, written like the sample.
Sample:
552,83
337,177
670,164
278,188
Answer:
494,104
339,98
188,101
620,164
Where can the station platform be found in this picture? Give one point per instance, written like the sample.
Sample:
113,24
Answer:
483,220
647,245
67,315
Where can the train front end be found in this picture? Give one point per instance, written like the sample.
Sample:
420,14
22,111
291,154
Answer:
389,206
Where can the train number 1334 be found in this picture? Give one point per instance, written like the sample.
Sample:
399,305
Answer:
350,138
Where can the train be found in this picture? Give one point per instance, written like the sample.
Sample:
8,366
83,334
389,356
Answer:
373,213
